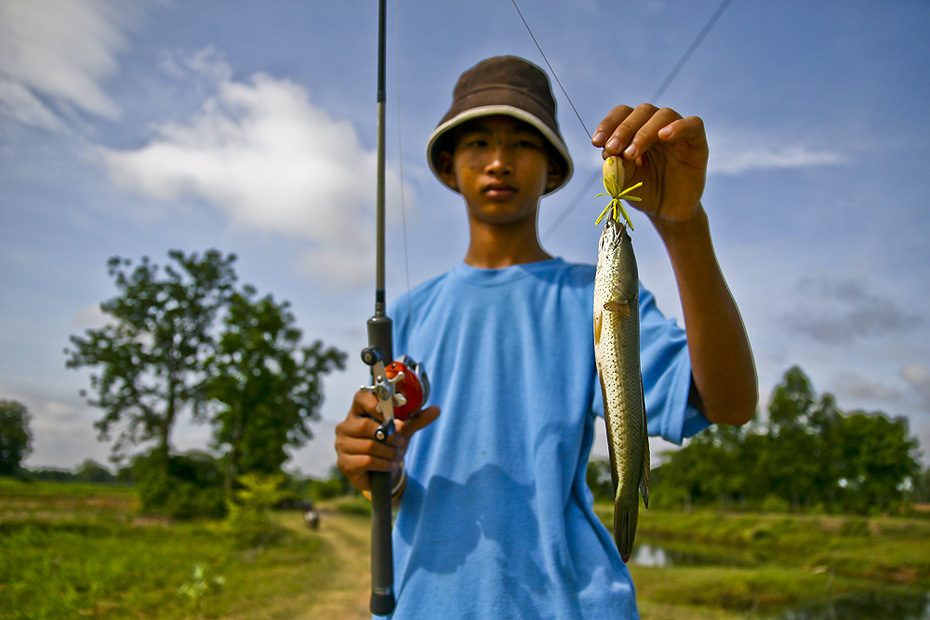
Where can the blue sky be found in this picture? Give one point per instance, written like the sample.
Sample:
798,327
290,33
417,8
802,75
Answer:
131,128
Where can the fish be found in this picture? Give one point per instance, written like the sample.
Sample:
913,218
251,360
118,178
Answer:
616,353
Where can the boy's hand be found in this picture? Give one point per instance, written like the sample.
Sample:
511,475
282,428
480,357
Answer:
666,152
356,448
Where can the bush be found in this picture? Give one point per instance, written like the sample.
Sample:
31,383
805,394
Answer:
774,503
249,519
91,471
354,506
191,488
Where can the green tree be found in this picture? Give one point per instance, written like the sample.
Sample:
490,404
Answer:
787,465
807,454
15,437
91,471
152,353
791,404
269,388
599,479
825,423
921,488
877,461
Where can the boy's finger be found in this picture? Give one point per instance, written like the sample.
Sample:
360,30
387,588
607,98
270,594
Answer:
365,403
628,128
650,122
421,421
607,126
366,446
356,467
691,129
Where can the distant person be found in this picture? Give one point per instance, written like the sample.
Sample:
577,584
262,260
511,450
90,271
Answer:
495,519
312,516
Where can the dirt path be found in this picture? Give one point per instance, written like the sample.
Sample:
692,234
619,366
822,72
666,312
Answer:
338,588
348,585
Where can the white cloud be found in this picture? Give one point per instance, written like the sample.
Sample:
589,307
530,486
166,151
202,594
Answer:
263,153
62,428
90,317
738,150
766,158
917,377
839,311
857,387
54,55
20,103
916,374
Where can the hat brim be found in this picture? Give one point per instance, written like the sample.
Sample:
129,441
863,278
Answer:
433,147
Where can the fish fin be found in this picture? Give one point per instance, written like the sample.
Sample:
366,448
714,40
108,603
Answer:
618,302
644,476
616,306
598,322
625,520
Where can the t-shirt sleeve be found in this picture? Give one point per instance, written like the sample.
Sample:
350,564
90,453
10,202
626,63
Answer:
666,369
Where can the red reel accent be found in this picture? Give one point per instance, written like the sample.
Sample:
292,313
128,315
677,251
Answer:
409,386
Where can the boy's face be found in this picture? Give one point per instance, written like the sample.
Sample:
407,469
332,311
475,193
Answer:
501,166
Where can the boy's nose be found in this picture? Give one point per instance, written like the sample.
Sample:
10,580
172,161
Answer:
501,161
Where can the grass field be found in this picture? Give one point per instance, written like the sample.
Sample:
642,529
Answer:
765,562
80,551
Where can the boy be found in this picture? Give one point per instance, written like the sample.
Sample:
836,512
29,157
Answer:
495,519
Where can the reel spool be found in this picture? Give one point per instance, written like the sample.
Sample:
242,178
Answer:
413,386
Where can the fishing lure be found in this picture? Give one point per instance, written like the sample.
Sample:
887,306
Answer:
613,181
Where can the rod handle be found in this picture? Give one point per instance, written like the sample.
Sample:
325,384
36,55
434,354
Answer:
382,553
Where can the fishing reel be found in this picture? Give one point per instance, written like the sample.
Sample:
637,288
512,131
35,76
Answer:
401,387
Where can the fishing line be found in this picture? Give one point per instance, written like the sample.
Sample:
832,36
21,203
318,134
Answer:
551,70
400,134
691,48
572,205
414,353
655,97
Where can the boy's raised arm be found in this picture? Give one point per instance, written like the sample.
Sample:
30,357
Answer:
669,155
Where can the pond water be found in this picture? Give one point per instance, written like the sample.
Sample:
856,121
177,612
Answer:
648,553
877,606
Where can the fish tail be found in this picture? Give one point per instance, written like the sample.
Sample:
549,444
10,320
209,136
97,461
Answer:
625,520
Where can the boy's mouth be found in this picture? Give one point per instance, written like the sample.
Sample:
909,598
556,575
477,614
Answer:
499,191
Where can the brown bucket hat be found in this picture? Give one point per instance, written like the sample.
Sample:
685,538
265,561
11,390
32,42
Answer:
509,86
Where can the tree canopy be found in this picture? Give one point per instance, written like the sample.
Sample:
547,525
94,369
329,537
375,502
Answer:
268,388
152,353
184,340
807,454
15,437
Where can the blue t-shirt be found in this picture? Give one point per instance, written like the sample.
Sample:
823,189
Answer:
497,520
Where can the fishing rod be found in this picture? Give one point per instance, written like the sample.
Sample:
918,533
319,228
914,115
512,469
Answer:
400,386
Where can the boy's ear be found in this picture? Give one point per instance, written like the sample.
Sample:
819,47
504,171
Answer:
554,175
447,170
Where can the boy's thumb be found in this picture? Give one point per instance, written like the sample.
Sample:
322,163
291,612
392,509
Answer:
420,421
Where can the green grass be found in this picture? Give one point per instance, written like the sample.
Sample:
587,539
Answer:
72,551
775,561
